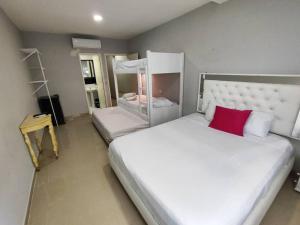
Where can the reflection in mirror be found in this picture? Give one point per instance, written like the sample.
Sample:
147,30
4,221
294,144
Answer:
88,71
87,68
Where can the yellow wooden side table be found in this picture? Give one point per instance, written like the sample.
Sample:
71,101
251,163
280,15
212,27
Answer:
32,124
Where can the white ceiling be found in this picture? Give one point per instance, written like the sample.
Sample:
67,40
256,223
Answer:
122,18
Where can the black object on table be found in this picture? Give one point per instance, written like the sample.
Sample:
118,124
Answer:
45,108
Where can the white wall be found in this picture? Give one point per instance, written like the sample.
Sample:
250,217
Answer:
16,170
167,85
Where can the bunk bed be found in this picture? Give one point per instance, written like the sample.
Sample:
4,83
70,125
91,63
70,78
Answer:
156,98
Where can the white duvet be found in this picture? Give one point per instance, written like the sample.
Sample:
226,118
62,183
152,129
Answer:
157,102
189,174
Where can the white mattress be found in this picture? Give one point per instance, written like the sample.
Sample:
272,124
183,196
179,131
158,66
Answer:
134,105
114,122
187,173
158,102
159,115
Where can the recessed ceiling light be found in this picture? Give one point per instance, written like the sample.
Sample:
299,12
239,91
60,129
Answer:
98,17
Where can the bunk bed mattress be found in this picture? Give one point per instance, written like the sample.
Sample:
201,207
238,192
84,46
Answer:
135,104
132,105
159,115
114,122
186,173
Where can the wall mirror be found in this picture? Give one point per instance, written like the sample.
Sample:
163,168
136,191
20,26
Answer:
88,71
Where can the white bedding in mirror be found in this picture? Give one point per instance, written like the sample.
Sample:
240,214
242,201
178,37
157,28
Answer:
187,173
157,102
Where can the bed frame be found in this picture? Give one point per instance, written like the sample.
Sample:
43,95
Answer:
287,96
282,100
254,218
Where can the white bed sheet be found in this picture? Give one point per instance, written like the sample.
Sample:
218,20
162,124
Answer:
187,173
133,104
114,122
159,115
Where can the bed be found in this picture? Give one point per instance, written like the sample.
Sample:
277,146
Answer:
185,173
114,122
181,177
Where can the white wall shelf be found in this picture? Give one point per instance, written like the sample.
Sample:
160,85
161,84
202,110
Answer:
31,52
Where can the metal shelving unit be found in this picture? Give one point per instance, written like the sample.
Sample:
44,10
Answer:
31,52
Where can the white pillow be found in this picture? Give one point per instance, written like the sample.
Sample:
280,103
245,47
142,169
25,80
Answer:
128,95
133,98
210,111
259,124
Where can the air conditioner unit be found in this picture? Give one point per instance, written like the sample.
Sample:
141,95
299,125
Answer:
86,43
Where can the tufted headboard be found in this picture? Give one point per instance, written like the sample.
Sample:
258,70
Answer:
283,100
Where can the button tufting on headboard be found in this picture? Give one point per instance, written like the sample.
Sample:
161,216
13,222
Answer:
281,99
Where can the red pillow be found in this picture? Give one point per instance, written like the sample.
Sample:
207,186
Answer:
230,120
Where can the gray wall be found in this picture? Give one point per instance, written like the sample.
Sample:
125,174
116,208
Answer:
127,83
242,36
16,170
167,86
63,69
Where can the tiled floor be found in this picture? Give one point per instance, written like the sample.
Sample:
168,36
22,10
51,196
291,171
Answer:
80,188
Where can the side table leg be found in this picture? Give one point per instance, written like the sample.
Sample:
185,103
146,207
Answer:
32,154
38,141
53,139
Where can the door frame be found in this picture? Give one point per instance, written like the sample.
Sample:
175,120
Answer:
101,69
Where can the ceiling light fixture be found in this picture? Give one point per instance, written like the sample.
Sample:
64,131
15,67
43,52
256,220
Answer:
98,17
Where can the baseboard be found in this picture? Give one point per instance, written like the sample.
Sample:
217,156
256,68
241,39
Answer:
30,199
